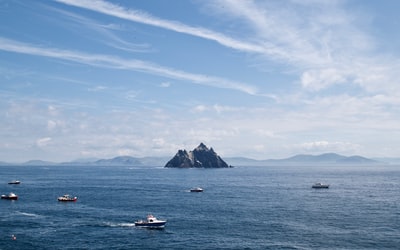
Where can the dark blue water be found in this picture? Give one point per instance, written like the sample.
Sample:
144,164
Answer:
240,208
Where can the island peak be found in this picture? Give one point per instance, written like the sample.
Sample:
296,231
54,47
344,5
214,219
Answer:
200,157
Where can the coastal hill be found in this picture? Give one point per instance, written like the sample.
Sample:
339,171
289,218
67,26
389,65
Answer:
306,159
200,157
329,158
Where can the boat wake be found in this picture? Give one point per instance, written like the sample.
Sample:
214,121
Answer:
121,224
27,214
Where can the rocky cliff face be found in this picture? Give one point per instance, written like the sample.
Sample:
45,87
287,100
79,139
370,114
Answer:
200,157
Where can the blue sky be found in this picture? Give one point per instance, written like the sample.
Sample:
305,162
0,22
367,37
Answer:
260,79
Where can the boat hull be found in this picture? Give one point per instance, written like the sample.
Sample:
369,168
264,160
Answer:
152,225
9,198
322,186
68,200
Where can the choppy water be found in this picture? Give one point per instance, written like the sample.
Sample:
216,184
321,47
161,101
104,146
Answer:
241,208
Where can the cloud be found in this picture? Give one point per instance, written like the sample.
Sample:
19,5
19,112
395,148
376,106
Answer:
102,30
266,133
42,142
199,108
165,84
217,108
259,148
97,88
51,125
145,18
107,61
321,41
275,32
52,110
282,29
319,79
125,152
159,143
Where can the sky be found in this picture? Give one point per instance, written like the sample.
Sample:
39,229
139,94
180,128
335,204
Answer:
260,79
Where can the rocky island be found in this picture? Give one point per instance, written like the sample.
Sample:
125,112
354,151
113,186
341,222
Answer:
200,157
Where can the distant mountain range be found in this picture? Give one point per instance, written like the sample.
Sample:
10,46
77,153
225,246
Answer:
305,159
301,159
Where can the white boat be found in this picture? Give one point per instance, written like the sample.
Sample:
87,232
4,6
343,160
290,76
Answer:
320,185
10,196
67,197
14,182
196,190
151,222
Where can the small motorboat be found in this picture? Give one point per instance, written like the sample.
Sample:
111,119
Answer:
67,197
10,196
320,185
151,222
196,190
14,182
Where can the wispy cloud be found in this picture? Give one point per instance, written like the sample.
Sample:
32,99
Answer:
165,84
219,109
278,32
43,141
102,30
322,42
145,18
303,35
119,63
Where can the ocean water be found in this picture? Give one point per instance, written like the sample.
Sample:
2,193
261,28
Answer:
240,208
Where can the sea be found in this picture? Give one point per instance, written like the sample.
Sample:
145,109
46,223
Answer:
271,207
